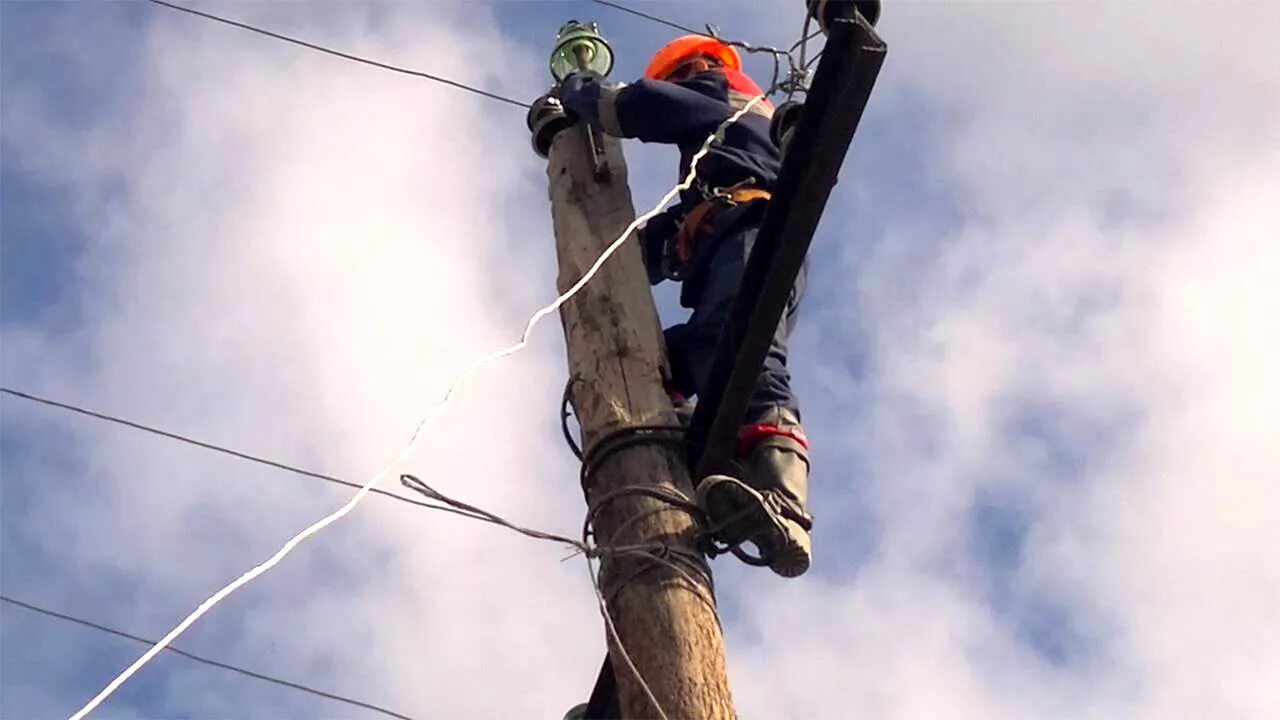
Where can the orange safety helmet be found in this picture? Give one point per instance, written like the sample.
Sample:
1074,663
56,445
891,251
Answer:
682,49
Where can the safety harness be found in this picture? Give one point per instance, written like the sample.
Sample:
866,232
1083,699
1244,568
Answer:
700,220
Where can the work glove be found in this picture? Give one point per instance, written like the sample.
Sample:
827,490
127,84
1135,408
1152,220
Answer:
580,95
657,245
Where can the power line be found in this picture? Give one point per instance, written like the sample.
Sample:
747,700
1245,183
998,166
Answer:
206,661
409,71
343,55
449,505
216,448
647,16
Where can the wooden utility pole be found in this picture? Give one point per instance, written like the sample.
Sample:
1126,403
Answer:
665,619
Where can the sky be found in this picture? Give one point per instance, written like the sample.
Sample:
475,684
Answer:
1033,362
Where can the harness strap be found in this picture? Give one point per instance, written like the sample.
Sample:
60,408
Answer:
698,220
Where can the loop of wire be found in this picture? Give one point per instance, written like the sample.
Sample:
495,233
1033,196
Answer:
796,79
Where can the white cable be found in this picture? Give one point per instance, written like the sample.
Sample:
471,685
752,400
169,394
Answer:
432,414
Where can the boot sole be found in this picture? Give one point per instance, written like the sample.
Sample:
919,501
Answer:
729,502
780,539
794,555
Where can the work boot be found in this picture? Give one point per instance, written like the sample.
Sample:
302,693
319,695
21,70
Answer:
767,507
779,467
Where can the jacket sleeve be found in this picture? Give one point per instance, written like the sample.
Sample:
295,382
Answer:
656,237
659,111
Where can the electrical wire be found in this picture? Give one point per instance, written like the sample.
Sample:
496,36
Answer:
647,16
217,448
788,85
566,402
368,487
805,37
340,54
450,505
794,80
803,45
796,70
814,60
192,656
653,553
430,417
413,482
795,75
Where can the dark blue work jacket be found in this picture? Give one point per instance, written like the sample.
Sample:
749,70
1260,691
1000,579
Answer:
684,114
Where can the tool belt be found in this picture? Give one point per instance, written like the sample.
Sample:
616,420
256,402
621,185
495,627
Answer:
699,221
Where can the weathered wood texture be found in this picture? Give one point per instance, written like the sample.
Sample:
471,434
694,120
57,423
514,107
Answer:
668,627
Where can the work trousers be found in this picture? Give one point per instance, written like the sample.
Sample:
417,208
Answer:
692,345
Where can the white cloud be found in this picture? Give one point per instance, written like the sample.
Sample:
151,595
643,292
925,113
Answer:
292,255
1114,181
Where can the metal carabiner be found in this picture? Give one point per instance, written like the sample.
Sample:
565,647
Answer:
720,195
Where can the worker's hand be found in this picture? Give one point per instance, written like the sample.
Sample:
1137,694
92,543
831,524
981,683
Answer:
657,242
580,94
662,228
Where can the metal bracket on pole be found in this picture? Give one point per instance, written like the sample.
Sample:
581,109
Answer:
546,118
841,87
595,143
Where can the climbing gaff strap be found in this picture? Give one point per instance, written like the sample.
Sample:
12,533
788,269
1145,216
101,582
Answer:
841,88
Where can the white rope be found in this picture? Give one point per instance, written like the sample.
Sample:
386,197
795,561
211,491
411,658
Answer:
432,414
